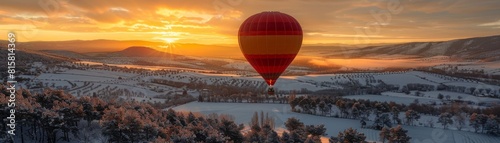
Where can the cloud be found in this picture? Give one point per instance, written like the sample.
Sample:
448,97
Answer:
496,23
323,21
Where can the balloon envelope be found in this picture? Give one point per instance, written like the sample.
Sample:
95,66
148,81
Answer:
270,41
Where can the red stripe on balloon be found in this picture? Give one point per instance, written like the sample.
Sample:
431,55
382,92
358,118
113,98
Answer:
270,78
270,23
270,67
270,56
256,33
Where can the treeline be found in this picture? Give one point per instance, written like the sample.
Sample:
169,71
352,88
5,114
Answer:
470,74
244,98
484,120
54,116
217,86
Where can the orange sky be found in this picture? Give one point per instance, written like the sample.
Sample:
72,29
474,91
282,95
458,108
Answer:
217,21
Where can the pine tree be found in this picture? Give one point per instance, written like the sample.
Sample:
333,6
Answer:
398,135
315,132
269,134
254,134
229,129
285,137
298,135
293,124
349,135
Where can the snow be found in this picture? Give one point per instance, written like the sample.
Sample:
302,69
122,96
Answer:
405,99
403,78
440,48
281,112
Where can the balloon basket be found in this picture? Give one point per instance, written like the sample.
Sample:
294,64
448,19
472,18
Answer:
270,91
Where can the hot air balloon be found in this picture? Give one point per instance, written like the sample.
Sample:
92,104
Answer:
270,41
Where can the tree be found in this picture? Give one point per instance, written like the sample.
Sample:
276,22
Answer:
342,106
460,121
268,134
297,130
411,116
229,129
382,121
349,136
254,134
293,124
445,119
395,115
418,93
398,135
477,121
492,126
292,101
384,134
322,107
285,137
315,132
440,96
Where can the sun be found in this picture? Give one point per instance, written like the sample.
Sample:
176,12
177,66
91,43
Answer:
170,40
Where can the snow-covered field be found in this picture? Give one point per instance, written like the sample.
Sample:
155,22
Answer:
140,88
387,98
281,112
94,78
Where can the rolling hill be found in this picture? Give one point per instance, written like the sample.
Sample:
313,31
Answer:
480,48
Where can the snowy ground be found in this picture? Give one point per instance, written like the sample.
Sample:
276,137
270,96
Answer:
89,81
281,112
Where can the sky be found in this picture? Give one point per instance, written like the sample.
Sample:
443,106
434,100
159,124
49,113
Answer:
217,21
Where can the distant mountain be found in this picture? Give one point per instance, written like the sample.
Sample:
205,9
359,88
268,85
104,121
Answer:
66,53
480,48
85,46
136,51
97,47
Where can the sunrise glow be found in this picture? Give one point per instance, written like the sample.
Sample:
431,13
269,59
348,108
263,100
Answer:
213,22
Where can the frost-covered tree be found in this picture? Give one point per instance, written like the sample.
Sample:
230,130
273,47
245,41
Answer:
440,96
315,132
459,121
269,135
398,135
445,119
478,121
411,116
229,129
492,126
349,136
395,115
293,124
285,137
384,134
382,121
296,130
